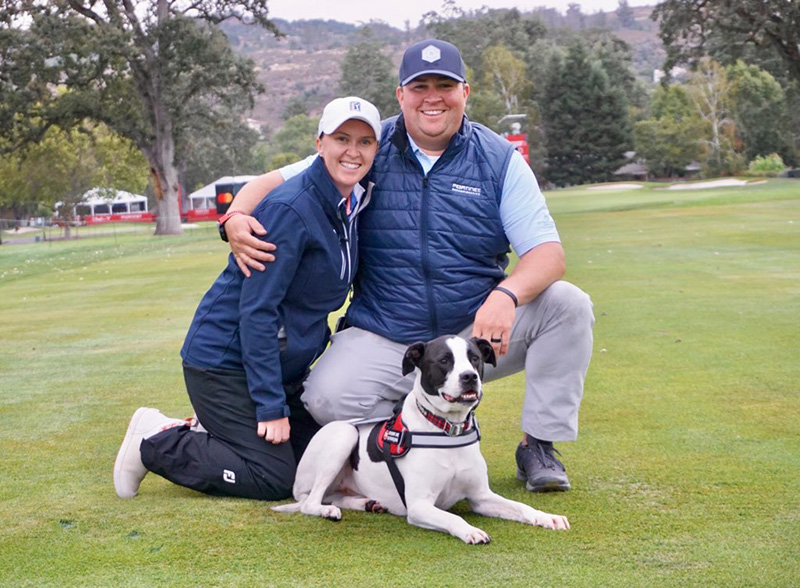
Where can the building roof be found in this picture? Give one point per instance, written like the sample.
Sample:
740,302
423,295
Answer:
210,191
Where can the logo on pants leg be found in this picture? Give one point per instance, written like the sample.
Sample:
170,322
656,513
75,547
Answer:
229,476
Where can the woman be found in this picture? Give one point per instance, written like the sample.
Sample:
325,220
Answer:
253,339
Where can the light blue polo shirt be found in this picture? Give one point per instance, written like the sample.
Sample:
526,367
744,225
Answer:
523,210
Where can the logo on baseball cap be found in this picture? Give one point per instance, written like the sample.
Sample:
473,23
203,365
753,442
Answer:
339,111
432,57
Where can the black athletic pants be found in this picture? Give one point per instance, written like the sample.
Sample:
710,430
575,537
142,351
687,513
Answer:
231,460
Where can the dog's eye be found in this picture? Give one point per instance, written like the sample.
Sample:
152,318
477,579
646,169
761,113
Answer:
444,360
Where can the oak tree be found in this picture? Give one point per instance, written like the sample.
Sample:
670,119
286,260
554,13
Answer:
693,28
148,70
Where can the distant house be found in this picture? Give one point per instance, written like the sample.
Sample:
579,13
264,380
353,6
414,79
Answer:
678,74
636,168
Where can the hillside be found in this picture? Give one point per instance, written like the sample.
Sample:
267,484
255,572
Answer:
305,62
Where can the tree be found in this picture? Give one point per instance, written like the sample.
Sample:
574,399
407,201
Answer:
64,165
625,15
208,151
485,106
670,139
147,69
368,73
758,106
294,106
693,28
598,20
505,74
617,59
294,141
671,101
585,120
710,92
574,16
668,145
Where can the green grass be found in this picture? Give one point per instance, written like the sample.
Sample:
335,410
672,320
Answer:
686,472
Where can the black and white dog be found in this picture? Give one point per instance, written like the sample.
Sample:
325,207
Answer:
423,460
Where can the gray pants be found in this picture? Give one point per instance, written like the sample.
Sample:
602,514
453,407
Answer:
359,375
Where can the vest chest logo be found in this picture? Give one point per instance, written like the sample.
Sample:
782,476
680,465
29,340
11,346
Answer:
469,190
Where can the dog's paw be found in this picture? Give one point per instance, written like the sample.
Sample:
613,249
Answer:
326,511
375,506
551,521
475,536
330,512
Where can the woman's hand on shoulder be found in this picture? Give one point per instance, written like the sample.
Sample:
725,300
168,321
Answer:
276,431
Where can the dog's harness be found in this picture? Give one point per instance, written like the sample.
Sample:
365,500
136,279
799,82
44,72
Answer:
394,440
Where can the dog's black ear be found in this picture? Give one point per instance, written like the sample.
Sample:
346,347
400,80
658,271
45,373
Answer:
412,357
487,351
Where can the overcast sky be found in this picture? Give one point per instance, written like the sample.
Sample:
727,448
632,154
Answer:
396,12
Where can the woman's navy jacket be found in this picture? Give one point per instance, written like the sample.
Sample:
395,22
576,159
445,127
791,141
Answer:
274,324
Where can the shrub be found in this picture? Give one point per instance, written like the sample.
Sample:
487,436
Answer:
770,165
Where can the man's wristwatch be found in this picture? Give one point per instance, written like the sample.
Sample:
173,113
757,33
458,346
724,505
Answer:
222,220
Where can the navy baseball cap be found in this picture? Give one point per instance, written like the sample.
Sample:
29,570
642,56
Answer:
432,57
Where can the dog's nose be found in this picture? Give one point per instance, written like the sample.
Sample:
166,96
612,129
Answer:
468,378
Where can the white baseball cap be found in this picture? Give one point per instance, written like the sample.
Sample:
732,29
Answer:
340,110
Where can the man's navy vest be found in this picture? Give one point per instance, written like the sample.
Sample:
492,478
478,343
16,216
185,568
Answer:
431,247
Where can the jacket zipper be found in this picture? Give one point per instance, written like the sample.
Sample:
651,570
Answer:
347,248
426,268
345,236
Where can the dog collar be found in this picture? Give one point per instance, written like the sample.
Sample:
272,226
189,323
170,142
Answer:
450,428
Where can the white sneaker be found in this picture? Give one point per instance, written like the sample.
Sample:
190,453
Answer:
129,471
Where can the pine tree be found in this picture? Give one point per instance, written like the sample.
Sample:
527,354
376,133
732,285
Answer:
368,73
625,15
585,119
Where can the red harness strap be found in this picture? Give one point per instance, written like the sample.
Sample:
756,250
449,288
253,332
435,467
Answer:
394,433
394,440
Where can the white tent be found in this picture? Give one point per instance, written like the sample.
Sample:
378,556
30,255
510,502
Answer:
206,196
109,201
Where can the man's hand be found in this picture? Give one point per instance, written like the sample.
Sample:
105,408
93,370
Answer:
248,250
535,271
276,431
494,320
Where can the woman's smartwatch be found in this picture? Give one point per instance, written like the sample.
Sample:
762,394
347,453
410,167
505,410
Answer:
222,220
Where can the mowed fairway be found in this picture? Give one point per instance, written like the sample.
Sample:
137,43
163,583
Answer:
686,472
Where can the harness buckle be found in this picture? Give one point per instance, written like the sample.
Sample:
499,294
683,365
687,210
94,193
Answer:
455,429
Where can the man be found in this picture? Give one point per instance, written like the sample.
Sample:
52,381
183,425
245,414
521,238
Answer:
450,196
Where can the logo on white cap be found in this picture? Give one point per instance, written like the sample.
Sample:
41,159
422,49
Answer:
355,105
431,53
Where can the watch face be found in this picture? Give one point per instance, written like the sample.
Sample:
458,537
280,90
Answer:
221,227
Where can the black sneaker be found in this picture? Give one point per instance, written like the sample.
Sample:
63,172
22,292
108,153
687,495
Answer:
539,468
